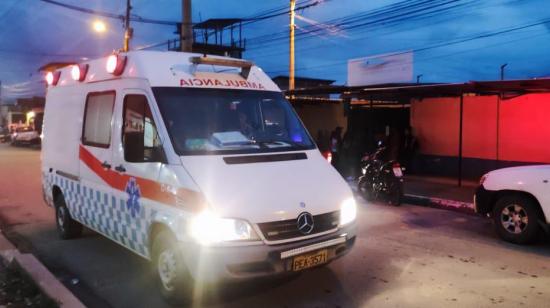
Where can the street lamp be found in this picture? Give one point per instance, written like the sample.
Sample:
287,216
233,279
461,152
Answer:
99,26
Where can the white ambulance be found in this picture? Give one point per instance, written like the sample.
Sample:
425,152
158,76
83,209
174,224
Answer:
197,163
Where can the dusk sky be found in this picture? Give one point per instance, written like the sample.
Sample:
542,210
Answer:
452,41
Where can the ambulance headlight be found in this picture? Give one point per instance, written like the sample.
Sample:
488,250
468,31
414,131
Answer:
348,211
207,228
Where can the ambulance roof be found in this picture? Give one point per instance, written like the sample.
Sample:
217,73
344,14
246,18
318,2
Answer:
173,69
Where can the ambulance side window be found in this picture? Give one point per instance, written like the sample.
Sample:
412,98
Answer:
97,119
139,135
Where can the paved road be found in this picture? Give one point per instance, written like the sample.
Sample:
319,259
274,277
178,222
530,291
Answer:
404,257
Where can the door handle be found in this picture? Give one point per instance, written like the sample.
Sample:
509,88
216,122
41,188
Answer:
120,168
106,165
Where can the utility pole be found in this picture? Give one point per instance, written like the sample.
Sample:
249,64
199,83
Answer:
418,78
129,32
291,60
502,67
186,42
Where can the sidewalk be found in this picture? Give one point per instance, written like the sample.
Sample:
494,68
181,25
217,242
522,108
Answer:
440,192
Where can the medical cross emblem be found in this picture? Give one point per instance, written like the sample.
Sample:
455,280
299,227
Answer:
132,204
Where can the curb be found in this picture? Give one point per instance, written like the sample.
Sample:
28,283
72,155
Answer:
439,203
447,204
43,278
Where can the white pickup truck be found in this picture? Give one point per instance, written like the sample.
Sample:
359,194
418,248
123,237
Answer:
518,199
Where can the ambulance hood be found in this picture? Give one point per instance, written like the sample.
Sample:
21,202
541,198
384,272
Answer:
268,191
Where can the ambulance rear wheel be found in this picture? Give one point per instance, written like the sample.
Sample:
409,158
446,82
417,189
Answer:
173,278
67,227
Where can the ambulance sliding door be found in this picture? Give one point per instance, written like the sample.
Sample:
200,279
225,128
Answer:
95,155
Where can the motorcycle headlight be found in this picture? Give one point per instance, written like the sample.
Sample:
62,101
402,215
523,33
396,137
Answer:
207,228
348,211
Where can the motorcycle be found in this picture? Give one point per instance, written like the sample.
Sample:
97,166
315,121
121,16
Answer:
381,180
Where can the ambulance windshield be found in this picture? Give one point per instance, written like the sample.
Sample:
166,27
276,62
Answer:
221,121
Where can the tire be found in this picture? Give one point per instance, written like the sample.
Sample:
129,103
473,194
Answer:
516,219
67,227
365,189
395,196
173,279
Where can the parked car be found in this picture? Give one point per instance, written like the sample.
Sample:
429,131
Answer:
25,135
518,200
4,135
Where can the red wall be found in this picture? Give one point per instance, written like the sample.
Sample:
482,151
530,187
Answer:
435,124
523,127
480,127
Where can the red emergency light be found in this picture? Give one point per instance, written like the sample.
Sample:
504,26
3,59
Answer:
78,72
116,64
52,78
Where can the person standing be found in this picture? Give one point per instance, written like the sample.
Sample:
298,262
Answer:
335,145
408,148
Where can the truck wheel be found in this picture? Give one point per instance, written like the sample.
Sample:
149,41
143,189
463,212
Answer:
174,281
516,219
67,227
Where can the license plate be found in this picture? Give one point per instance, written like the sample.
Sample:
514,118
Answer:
309,260
397,172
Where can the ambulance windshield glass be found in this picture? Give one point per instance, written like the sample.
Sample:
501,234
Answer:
208,121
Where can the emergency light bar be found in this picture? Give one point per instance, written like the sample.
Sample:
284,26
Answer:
78,72
115,64
52,78
244,65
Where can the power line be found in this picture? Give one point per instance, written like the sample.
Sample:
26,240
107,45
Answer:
303,48
281,9
402,11
303,6
439,45
137,18
111,15
365,14
257,18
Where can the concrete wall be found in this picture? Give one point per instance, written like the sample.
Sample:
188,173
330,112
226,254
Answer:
321,117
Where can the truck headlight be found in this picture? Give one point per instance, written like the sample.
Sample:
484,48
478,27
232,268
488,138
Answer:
348,211
207,228
483,179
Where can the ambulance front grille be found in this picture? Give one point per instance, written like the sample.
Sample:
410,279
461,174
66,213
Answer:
288,229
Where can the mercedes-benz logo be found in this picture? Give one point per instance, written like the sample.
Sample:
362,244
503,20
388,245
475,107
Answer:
305,223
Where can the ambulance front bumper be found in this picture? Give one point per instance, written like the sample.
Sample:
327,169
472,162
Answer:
212,264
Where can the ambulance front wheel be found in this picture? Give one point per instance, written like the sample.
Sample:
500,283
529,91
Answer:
66,226
173,278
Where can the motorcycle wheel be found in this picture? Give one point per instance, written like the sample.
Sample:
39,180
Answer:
395,193
365,189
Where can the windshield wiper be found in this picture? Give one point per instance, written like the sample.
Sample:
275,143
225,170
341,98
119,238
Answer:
279,142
